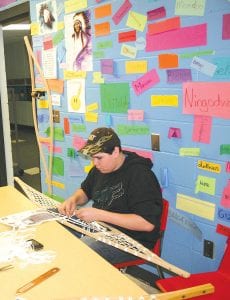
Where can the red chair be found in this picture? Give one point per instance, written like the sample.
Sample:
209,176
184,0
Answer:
158,246
220,279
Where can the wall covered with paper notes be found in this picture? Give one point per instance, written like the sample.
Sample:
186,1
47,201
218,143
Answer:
157,72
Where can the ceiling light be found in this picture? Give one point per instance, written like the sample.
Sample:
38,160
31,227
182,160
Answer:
17,27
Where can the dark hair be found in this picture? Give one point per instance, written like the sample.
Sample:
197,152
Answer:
49,24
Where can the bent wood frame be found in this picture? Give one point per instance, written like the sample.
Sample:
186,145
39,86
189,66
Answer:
35,95
99,231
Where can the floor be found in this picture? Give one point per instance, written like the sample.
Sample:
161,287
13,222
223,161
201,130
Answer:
27,167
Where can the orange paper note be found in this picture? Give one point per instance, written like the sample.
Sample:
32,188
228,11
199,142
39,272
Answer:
166,61
56,85
103,11
166,25
102,29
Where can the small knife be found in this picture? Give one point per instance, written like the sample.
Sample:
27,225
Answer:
36,281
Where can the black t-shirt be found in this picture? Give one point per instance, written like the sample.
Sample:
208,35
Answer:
133,188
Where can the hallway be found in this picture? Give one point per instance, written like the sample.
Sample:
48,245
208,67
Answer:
26,155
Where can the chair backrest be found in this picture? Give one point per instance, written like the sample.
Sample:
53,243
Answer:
225,262
164,217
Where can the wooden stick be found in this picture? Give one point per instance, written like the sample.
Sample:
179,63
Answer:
188,293
35,92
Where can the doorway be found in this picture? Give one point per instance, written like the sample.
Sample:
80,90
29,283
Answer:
25,153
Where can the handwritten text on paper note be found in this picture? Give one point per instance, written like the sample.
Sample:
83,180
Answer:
208,166
115,97
145,82
225,199
206,185
178,75
202,129
190,7
189,152
136,21
203,66
132,129
207,98
157,13
223,214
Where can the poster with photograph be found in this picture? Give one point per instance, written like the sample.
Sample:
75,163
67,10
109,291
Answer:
47,16
78,41
76,95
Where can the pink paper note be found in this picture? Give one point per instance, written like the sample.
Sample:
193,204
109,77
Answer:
227,168
157,13
178,38
206,99
135,114
6,2
143,153
78,142
174,133
122,11
56,149
226,27
145,82
202,129
225,199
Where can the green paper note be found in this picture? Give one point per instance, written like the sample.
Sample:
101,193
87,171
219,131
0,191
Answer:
115,97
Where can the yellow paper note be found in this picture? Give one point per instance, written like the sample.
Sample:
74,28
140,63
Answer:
164,100
206,185
195,206
34,28
97,77
43,104
189,152
128,51
209,166
136,21
89,167
60,25
135,66
91,117
74,74
72,5
92,107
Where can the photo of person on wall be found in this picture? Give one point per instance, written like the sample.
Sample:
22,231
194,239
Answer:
78,41
46,16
